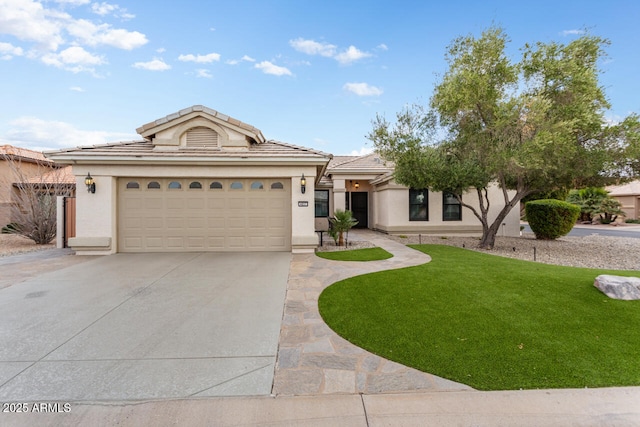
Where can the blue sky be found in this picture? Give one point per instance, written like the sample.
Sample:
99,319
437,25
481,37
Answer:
310,73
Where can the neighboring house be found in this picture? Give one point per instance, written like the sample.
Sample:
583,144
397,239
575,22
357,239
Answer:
30,164
203,181
629,197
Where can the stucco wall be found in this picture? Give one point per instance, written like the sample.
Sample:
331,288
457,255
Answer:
7,178
630,205
96,214
393,214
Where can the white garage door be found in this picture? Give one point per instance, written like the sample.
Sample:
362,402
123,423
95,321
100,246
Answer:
197,214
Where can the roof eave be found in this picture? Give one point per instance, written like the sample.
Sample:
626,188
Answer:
186,160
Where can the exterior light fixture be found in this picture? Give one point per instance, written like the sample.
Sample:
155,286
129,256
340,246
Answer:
90,183
303,184
357,185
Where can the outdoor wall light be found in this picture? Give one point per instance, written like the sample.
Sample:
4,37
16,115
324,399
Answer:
303,184
90,183
357,185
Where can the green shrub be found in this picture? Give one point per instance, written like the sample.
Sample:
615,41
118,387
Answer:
11,228
632,221
550,219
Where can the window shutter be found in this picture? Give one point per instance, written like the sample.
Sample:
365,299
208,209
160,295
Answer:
202,137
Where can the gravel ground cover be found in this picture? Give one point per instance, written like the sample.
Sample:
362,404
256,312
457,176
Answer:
11,244
593,251
619,253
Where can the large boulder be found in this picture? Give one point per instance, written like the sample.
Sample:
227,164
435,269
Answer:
618,287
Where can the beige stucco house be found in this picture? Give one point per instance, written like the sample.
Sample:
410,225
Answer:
203,181
24,166
629,197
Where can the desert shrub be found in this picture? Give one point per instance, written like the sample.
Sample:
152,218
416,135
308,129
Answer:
632,221
550,219
11,228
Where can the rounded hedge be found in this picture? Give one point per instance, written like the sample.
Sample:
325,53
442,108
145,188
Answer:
550,218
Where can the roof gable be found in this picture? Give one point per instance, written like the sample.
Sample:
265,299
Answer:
173,129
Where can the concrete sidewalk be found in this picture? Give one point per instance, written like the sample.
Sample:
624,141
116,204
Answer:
586,407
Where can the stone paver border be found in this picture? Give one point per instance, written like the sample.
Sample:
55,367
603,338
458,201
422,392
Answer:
312,359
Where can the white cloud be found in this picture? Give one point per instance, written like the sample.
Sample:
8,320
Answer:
361,152
350,55
104,9
91,34
363,89
572,32
73,2
201,59
153,65
38,134
29,21
49,27
245,58
203,73
74,59
311,47
161,50
76,89
382,46
269,68
8,51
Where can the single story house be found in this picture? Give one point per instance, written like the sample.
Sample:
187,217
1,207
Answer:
629,197
203,181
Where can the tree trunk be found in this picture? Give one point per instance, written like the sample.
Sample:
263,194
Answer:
340,238
489,232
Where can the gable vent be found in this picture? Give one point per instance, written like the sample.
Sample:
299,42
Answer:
202,137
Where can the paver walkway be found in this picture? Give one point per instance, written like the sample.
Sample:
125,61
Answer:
312,359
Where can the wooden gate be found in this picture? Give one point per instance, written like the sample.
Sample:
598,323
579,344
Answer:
69,219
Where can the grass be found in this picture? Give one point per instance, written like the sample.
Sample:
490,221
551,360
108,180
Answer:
367,254
490,322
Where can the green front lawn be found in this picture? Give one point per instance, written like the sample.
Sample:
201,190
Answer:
367,254
490,322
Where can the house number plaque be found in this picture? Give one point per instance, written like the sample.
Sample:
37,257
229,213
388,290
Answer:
303,204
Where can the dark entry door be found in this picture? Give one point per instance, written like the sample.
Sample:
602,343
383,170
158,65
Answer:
359,208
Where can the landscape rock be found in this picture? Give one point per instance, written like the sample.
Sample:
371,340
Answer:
618,287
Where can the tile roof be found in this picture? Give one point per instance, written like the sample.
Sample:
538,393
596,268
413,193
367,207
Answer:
629,188
22,153
201,108
136,149
369,163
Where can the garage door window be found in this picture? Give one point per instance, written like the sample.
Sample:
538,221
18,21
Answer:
175,185
236,185
215,185
195,185
257,185
132,185
277,186
153,185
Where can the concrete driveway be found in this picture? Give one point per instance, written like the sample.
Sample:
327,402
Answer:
144,326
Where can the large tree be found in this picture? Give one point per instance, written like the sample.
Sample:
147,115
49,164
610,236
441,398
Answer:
527,126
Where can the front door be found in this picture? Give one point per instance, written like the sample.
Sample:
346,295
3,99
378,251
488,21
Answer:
359,208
